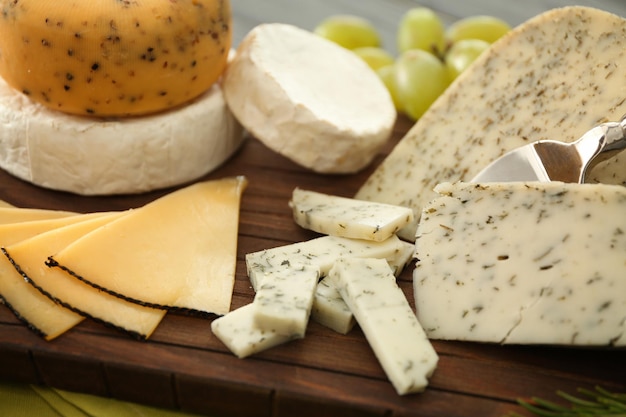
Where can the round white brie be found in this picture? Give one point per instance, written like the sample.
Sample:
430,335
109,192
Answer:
309,99
92,156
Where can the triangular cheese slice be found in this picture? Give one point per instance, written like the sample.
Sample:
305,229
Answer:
176,252
41,314
29,257
16,215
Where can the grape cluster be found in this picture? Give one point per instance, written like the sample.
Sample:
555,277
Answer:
430,56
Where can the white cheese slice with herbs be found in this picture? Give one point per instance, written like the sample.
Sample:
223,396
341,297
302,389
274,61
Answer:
523,263
330,310
347,217
238,331
400,344
309,99
283,301
320,252
553,77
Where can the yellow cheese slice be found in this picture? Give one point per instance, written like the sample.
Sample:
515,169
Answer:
10,214
41,314
177,252
4,204
29,257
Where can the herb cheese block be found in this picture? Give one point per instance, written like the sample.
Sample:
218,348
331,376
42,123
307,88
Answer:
320,252
177,252
369,288
309,99
523,263
113,58
553,77
347,217
93,156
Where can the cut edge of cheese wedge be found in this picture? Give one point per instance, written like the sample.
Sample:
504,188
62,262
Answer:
89,156
323,108
177,252
553,77
523,263
347,217
28,258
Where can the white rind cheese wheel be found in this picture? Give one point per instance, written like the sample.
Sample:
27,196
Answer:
308,99
91,156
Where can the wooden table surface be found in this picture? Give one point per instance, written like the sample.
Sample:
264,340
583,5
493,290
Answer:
184,366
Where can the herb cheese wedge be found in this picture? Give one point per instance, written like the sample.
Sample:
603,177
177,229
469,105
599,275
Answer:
523,263
553,77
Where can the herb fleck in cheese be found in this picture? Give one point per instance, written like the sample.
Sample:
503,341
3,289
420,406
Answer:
347,217
369,288
523,263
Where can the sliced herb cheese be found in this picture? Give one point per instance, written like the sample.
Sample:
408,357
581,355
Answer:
241,335
320,252
523,263
369,288
283,301
347,217
330,310
553,77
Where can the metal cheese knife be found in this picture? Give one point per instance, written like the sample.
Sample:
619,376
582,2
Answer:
549,160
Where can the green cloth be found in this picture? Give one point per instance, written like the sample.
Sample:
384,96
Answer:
22,400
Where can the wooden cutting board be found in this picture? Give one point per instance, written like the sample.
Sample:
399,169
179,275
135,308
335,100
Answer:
184,366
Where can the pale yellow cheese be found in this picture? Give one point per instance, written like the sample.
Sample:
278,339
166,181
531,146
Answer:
29,257
41,314
553,77
9,214
4,204
177,252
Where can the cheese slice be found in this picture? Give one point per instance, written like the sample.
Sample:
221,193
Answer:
553,77
41,314
330,310
17,215
176,252
91,156
309,99
283,301
4,204
320,252
241,335
29,257
347,217
369,288
529,263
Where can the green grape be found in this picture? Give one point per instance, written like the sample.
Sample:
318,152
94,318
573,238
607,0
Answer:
374,57
387,75
421,28
461,54
420,79
349,31
486,28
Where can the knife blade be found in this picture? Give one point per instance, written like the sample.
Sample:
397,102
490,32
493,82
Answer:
550,160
